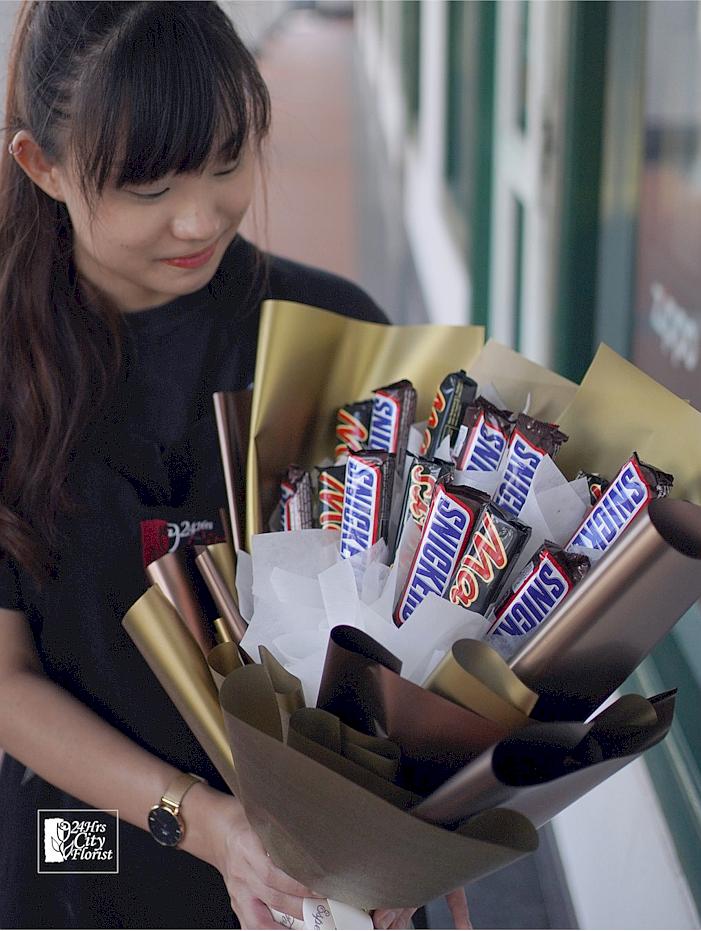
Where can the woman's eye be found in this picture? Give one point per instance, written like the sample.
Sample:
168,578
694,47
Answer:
228,171
149,196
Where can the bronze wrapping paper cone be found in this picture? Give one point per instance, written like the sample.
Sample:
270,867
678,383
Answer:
336,837
233,415
310,362
173,574
476,677
361,685
344,684
547,767
624,606
208,565
177,662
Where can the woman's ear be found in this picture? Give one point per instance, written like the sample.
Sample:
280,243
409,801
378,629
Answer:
31,159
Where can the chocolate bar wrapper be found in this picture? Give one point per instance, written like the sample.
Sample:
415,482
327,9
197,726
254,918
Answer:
353,427
296,510
597,484
393,412
544,584
493,549
531,440
635,486
451,518
487,430
454,394
331,483
367,500
422,477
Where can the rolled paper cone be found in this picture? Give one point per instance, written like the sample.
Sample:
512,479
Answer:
225,561
221,631
625,605
233,458
473,675
547,766
222,661
221,593
173,576
171,652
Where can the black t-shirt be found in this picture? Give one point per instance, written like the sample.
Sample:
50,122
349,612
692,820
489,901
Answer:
149,471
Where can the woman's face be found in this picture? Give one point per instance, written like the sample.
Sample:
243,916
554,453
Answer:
128,246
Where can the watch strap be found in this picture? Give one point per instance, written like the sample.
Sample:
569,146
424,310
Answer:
176,791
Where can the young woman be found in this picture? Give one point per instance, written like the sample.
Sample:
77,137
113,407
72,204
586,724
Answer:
127,297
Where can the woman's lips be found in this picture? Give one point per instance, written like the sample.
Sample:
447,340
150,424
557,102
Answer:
192,261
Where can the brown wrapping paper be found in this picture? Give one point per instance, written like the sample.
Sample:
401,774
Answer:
215,567
289,693
476,677
233,415
624,606
338,838
177,662
546,767
310,362
222,660
174,574
361,685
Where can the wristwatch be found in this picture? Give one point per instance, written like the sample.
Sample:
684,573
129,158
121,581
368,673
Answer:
164,820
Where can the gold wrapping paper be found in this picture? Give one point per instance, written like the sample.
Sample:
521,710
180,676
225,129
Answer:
476,677
618,409
177,662
289,693
310,362
622,608
222,660
338,838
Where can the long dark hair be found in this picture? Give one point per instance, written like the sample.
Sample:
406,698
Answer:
132,91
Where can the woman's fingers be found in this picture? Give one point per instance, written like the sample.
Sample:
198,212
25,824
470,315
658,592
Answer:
252,913
458,907
392,918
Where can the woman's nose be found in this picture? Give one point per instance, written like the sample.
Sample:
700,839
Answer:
197,221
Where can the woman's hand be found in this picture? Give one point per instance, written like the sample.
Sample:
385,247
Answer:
253,881
386,918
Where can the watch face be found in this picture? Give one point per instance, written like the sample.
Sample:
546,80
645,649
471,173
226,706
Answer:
164,826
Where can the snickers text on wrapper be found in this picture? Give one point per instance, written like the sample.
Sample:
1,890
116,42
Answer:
549,577
488,431
628,494
531,441
447,529
366,501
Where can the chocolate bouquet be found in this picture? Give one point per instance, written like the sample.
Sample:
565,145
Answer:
416,658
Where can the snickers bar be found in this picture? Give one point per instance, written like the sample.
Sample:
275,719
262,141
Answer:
353,427
332,481
296,511
366,501
495,544
454,394
547,580
627,496
488,431
447,529
530,442
393,411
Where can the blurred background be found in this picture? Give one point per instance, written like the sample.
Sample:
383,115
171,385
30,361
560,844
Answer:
533,166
